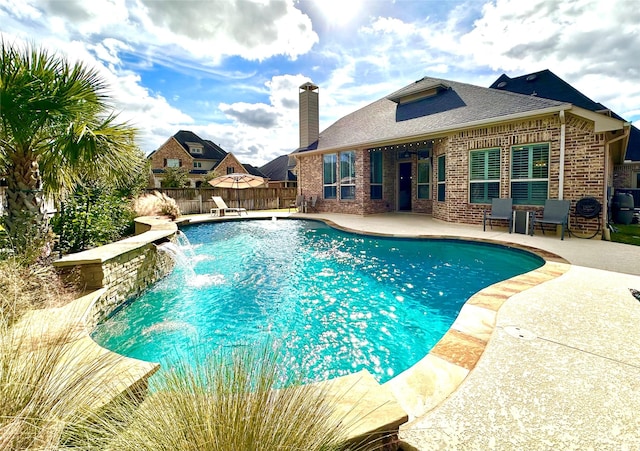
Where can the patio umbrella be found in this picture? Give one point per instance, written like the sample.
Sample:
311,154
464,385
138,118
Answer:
237,181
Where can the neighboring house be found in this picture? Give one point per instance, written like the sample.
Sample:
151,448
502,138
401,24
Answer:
250,169
281,172
548,85
200,156
447,148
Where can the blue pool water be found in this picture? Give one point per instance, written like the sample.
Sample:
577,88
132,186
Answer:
340,302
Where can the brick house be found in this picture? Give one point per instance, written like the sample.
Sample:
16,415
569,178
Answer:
200,156
548,85
446,148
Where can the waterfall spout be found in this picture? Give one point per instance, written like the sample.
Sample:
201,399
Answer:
180,258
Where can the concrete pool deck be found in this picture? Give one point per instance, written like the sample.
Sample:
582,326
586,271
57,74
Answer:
561,368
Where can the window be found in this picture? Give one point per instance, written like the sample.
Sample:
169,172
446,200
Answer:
173,163
348,175
530,174
484,176
230,170
376,174
197,164
424,174
195,149
441,178
330,182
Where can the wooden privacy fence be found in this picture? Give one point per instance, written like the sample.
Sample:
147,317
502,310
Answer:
198,200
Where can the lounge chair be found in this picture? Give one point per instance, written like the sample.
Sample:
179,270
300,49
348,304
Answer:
298,203
501,209
555,212
222,208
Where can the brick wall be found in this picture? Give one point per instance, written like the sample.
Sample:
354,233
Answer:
624,175
171,150
584,169
229,161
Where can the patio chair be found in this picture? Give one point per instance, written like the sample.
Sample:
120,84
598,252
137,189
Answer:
555,212
223,209
501,209
311,205
298,203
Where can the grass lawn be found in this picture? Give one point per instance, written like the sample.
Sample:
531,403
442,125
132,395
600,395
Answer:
628,234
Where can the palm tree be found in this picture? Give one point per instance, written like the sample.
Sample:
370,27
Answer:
57,128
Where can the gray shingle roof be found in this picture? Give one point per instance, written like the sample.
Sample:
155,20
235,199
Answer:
253,170
278,169
461,104
210,150
548,85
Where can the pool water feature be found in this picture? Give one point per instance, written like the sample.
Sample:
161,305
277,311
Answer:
340,302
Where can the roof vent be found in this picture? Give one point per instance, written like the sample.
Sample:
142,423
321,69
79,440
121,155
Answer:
419,91
502,84
531,77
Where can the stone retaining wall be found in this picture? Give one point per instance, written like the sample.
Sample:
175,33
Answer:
126,276
125,268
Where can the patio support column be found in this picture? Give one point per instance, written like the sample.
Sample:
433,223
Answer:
605,205
562,152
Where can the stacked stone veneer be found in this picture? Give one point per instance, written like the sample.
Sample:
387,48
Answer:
124,270
584,167
124,277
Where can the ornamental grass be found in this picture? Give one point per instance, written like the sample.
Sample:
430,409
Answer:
228,401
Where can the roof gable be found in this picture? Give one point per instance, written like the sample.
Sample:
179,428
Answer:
548,85
210,151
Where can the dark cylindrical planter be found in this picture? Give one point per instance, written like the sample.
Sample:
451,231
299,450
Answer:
622,208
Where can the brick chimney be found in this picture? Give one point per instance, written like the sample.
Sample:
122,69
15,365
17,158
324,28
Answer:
309,116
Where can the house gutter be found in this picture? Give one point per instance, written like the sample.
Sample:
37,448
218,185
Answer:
563,132
606,233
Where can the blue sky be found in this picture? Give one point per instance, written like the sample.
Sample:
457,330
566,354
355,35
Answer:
229,70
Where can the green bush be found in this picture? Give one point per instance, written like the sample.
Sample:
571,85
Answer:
175,178
92,217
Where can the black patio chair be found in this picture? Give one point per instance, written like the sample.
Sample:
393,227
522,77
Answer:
501,209
556,212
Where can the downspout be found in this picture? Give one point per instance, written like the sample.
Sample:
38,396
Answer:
562,153
606,233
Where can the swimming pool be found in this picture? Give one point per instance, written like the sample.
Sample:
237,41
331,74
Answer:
341,302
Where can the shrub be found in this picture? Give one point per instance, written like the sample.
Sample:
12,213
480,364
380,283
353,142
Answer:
23,288
156,204
175,178
92,217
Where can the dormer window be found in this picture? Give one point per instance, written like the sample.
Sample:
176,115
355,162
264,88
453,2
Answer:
195,148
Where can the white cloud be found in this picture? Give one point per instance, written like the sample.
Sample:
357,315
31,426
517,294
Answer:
251,29
591,44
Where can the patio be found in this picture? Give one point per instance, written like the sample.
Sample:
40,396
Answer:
560,370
